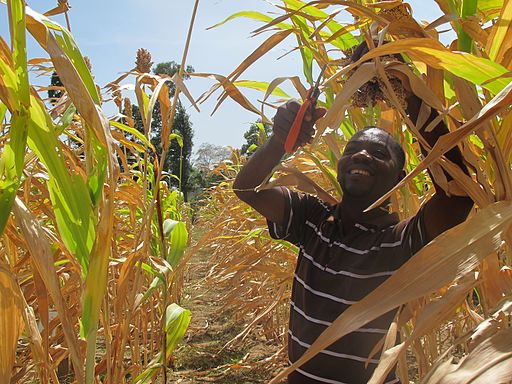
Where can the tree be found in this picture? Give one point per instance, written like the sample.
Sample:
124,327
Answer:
177,161
55,94
170,68
209,155
256,135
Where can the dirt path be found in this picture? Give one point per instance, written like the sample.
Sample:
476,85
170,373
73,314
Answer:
202,356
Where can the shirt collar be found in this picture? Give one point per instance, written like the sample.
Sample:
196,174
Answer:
378,218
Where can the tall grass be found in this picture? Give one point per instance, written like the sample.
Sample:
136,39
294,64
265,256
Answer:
455,293
93,238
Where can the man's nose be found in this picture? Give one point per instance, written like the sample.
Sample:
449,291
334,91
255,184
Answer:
362,155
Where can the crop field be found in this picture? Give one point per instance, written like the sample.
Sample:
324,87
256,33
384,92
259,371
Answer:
114,269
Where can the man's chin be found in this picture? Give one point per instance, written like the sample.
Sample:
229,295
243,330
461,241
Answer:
357,192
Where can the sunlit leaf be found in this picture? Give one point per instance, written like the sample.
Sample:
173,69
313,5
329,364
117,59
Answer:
176,324
178,242
261,86
477,70
251,15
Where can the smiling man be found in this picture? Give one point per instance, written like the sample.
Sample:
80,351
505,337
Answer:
344,252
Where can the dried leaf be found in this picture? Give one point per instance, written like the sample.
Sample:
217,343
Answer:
489,362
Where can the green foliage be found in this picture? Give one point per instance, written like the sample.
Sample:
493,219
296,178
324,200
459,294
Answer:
177,234
256,135
62,165
18,101
55,94
177,161
177,320
207,158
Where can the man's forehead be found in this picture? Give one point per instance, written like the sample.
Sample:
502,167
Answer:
376,136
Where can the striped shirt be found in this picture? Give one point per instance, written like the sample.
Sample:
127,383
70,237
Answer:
335,270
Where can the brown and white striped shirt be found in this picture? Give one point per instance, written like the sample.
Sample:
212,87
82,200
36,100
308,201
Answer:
335,270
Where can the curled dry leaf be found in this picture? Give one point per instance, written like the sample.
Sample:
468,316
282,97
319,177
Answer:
489,362
499,320
296,178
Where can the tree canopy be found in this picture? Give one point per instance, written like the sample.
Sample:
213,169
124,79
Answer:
256,135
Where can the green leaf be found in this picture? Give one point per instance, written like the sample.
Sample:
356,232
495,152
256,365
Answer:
68,191
330,174
477,70
252,148
134,132
468,8
261,86
251,15
344,41
177,137
97,174
501,32
66,118
3,111
178,242
490,8
68,45
17,92
19,44
169,225
177,320
305,51
7,195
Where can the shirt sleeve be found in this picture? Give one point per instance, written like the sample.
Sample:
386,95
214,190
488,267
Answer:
298,209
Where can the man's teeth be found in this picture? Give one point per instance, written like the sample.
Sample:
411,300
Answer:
359,172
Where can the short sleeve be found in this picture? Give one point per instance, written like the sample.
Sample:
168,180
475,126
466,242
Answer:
299,208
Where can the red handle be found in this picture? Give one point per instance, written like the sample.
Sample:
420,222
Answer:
310,101
291,139
293,134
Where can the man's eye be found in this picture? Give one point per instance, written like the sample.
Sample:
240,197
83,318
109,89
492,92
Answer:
380,154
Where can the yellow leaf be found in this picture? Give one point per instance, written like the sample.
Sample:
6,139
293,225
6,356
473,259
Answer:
500,39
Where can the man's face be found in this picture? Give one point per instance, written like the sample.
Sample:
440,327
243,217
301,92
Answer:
368,167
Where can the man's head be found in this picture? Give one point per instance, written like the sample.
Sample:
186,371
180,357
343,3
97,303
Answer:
371,164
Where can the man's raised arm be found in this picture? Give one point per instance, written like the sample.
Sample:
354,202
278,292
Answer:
270,202
442,211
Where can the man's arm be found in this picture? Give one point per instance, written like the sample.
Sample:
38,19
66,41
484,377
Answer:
442,212
270,202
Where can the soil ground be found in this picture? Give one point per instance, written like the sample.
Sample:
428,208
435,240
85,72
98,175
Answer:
202,356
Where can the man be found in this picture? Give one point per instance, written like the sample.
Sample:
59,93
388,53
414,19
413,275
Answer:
345,253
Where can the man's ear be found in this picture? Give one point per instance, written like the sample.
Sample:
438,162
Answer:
401,175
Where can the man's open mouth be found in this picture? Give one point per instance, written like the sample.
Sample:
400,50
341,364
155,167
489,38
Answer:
359,172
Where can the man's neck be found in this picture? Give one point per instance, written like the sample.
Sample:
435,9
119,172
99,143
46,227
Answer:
353,210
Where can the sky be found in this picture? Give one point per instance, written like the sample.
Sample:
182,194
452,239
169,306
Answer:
109,32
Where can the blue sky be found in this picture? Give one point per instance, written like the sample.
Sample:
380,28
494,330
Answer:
110,32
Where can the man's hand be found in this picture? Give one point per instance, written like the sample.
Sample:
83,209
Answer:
373,90
285,116
271,202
